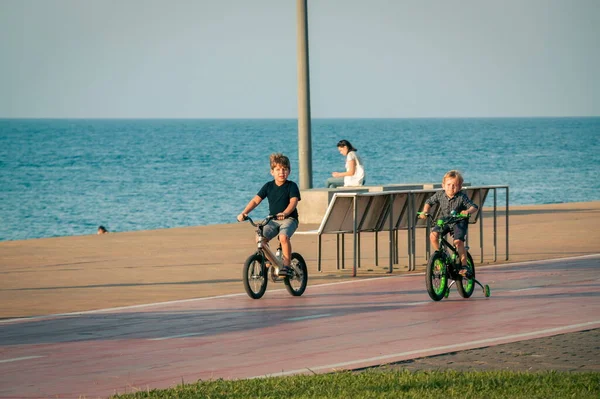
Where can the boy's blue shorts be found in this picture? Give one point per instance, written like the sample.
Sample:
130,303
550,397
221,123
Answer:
276,227
459,231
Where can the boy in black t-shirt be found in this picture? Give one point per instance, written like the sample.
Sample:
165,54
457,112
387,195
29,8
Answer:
283,196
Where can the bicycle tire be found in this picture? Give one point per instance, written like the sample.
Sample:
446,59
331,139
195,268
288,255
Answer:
255,276
296,285
436,278
466,285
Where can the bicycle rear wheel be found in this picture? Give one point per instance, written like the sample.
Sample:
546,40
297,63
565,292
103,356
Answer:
436,279
255,276
466,285
296,285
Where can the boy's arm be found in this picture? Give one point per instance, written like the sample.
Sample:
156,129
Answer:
426,209
469,211
289,209
430,201
471,206
254,202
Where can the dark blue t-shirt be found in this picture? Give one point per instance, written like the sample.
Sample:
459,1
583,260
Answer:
279,196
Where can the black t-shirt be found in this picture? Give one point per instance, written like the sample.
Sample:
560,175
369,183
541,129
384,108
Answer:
279,196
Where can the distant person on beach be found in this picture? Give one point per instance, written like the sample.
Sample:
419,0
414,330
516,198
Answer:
283,196
355,171
451,200
102,230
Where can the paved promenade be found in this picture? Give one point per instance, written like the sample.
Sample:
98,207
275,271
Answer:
70,274
348,325
545,313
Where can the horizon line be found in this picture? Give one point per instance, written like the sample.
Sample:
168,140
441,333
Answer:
295,118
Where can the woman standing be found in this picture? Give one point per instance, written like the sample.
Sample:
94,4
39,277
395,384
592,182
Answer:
355,171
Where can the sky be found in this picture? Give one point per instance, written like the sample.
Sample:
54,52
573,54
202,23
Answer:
238,58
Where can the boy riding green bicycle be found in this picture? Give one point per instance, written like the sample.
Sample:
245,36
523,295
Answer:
451,201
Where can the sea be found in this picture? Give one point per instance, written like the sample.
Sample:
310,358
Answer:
65,177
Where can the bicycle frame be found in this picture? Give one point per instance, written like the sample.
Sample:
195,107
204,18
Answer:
266,251
444,244
263,246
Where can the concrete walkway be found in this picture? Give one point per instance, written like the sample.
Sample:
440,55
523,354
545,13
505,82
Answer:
69,274
347,325
99,352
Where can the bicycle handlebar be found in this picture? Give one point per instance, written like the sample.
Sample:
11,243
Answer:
446,220
264,222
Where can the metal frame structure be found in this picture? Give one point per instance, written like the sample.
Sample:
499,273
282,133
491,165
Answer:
391,211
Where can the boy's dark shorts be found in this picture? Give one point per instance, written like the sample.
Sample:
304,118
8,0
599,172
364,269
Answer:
458,231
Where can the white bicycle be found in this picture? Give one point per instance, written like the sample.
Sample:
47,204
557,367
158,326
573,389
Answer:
264,265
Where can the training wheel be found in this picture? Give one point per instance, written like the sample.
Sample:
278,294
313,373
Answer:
486,291
447,293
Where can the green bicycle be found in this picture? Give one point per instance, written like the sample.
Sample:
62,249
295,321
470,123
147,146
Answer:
444,265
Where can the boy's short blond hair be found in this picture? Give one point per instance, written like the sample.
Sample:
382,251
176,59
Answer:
279,159
453,174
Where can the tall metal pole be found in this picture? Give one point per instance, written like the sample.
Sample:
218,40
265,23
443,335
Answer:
304,140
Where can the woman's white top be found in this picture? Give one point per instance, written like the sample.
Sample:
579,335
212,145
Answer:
359,171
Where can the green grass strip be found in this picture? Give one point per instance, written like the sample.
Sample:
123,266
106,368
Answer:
375,383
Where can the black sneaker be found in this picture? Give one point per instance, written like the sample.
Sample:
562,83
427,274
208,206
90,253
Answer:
286,271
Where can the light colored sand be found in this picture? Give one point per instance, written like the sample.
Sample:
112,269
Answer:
68,274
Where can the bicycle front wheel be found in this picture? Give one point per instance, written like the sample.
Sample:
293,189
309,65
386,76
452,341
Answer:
255,276
436,279
466,285
296,284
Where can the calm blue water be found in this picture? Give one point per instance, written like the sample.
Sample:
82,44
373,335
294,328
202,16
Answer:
66,177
